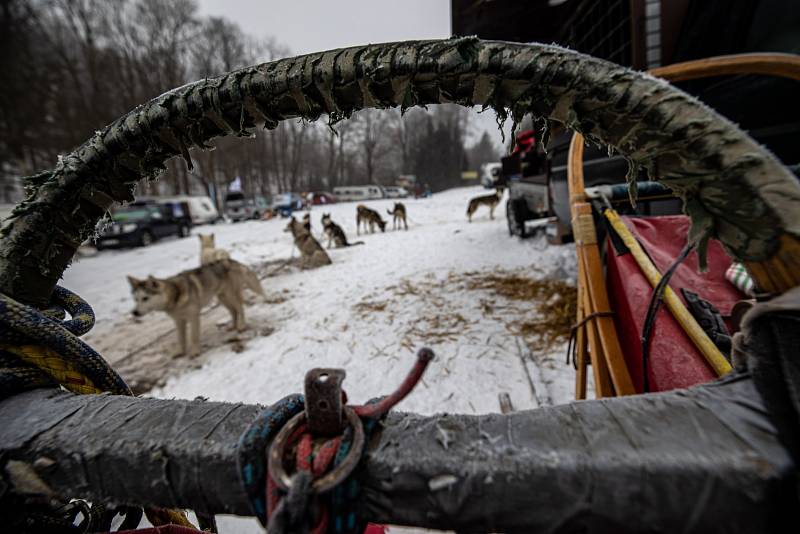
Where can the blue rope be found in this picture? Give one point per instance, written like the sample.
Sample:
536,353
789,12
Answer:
345,497
21,324
252,450
252,462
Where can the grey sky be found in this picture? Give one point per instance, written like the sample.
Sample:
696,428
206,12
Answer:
316,25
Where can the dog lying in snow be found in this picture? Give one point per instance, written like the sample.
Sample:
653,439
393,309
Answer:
184,296
335,233
208,252
312,253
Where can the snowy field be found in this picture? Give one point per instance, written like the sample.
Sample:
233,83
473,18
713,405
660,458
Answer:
367,312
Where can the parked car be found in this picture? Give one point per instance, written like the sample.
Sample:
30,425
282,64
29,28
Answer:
240,206
358,192
141,223
393,191
285,203
321,198
201,209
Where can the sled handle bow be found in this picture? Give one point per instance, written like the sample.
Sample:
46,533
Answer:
699,154
781,271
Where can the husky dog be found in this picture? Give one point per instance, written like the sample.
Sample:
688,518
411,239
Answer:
311,251
368,216
184,296
307,222
485,200
208,252
399,215
335,233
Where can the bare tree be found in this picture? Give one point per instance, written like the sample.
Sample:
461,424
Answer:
371,133
74,65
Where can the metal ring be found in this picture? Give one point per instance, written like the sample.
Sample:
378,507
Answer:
328,481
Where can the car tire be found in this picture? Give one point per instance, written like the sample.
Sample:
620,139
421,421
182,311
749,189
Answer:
146,239
183,231
516,211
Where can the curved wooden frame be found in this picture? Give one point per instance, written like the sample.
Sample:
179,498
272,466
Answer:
776,275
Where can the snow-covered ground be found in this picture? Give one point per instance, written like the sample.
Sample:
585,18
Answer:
367,312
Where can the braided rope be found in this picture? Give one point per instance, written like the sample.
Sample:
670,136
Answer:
336,511
252,460
40,349
61,371
53,346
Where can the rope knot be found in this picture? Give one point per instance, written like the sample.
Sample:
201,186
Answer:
315,443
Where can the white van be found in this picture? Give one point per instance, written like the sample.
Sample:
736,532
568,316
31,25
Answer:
201,209
358,192
395,191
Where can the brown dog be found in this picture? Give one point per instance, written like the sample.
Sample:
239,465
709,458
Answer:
485,200
312,253
335,233
398,215
368,216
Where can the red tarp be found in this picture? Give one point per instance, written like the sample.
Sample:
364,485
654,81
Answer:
674,361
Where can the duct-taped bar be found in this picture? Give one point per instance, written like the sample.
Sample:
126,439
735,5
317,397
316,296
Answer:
706,459
698,153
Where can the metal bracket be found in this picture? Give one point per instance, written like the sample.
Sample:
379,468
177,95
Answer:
323,389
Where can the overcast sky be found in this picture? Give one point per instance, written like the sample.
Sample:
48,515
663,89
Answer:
316,25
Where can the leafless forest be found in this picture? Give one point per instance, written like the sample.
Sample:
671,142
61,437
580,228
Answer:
71,66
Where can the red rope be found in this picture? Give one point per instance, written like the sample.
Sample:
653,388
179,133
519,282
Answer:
374,411
319,462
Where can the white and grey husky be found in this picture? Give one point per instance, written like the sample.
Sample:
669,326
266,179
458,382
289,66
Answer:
184,296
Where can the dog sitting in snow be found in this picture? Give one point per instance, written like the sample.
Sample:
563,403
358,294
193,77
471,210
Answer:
184,296
335,233
208,252
398,215
368,216
485,200
312,253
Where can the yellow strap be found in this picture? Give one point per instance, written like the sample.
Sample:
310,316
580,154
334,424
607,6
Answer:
60,370
706,347
69,376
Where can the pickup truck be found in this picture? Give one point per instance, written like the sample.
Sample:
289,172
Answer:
538,190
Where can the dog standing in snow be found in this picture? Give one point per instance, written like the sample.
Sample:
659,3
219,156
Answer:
398,215
184,296
208,252
485,200
368,216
